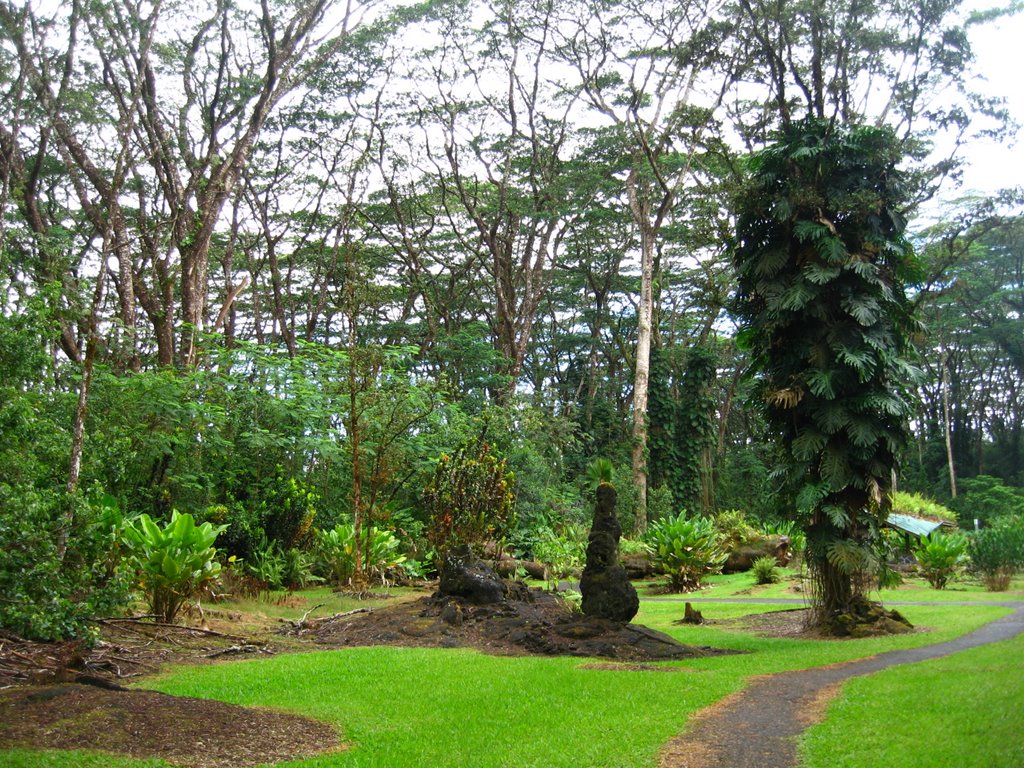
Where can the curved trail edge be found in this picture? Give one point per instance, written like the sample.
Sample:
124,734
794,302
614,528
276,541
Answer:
758,726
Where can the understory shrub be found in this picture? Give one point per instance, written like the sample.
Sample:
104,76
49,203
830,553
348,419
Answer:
766,570
173,562
46,597
686,549
336,548
563,551
469,499
997,553
987,499
735,529
941,557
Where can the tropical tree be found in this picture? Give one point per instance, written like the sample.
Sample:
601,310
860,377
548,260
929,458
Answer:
653,73
822,265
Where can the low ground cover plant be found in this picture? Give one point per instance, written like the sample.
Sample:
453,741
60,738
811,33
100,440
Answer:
766,570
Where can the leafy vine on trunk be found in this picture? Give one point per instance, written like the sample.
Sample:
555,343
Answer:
822,264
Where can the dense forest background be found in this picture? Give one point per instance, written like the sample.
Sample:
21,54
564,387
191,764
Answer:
267,263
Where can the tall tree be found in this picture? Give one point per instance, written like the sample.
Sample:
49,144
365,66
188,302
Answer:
655,72
495,133
906,65
195,88
823,265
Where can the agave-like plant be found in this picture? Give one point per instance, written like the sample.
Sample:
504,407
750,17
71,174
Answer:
600,471
687,549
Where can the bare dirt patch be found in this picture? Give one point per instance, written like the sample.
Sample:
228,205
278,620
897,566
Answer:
184,731
612,666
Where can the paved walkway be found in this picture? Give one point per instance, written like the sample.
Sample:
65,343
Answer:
758,726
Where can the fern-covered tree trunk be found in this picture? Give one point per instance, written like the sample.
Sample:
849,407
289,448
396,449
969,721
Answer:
822,264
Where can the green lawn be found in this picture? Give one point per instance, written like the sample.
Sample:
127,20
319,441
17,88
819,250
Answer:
961,711
418,707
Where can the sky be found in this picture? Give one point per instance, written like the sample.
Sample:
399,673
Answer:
999,51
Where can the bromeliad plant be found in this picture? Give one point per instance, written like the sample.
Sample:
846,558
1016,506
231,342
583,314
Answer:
174,561
686,549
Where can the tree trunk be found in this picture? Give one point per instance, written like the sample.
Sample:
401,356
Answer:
81,408
946,428
641,377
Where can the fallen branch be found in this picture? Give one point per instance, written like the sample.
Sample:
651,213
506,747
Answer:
180,627
298,624
335,617
236,649
304,623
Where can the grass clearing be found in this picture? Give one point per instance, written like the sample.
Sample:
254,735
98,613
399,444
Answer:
960,711
404,707
410,707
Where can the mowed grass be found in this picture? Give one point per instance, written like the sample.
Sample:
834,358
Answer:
400,707
965,710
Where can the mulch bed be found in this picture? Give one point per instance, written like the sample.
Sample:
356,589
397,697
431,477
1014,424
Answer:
540,624
183,731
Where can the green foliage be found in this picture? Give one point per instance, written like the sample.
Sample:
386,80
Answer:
253,441
686,549
297,569
941,557
916,505
45,597
997,553
600,471
563,551
735,529
789,528
469,498
683,421
336,550
765,570
634,547
174,562
287,508
822,265
986,499
265,567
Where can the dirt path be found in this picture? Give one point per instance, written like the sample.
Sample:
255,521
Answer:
757,727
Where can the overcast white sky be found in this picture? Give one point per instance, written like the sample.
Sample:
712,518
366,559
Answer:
999,50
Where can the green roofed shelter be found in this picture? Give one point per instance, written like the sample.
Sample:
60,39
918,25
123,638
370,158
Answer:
916,526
